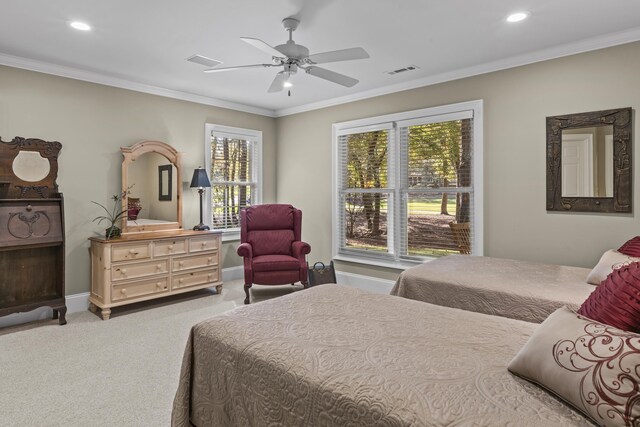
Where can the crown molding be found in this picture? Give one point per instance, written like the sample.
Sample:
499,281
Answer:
595,43
93,77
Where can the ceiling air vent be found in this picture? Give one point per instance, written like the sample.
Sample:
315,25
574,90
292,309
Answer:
203,60
403,70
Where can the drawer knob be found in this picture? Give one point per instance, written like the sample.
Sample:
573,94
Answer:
124,291
210,275
159,267
209,260
204,244
170,247
158,285
29,208
181,263
133,252
123,271
181,281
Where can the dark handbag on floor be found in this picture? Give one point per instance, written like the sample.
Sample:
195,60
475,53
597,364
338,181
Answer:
320,274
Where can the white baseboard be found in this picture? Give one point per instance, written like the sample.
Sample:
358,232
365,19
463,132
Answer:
232,273
367,283
77,302
80,302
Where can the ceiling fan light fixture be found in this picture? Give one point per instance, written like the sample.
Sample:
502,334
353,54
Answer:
82,26
517,17
292,56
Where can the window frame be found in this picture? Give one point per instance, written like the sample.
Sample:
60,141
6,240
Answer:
254,136
445,112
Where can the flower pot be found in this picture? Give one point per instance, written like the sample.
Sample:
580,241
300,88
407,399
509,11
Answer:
112,232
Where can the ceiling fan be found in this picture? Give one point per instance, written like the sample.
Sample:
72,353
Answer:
293,57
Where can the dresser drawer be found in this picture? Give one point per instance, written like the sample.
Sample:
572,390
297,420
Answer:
130,252
201,244
195,278
195,261
139,269
169,247
125,291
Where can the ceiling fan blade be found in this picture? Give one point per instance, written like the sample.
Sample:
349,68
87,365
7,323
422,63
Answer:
278,82
238,67
257,43
338,55
332,76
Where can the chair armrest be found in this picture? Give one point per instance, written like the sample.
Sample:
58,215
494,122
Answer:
245,250
300,249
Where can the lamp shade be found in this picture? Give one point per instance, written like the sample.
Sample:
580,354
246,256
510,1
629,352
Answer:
200,179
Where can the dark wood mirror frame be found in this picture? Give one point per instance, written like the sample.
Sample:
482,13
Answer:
621,202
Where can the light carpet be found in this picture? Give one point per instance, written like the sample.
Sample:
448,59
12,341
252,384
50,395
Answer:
119,372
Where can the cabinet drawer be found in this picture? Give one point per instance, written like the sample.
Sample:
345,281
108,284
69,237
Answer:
195,278
30,222
124,291
169,247
201,244
138,269
130,252
195,261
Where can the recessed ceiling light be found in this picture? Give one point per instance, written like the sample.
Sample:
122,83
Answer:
80,26
287,84
517,17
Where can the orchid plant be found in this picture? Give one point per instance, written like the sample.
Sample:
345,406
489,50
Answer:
114,215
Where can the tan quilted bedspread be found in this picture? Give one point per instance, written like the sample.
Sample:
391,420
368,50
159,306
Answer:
503,287
337,356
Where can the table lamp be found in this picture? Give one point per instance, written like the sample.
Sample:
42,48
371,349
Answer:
200,181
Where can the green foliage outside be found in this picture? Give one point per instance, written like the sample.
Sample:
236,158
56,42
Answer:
436,159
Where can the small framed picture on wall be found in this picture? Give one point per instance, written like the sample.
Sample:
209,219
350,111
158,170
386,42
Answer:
164,182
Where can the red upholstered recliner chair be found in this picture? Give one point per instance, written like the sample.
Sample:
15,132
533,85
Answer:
271,246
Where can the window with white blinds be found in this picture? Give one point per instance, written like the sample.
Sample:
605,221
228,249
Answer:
407,185
234,168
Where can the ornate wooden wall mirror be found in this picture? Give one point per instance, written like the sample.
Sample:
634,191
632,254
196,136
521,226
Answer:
147,208
589,161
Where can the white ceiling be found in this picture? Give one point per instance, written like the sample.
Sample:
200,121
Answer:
144,44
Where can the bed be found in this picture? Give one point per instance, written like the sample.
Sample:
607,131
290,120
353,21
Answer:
503,287
338,356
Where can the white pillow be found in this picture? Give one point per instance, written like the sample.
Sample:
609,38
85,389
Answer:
610,261
592,366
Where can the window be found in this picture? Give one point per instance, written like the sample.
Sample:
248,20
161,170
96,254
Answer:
234,168
407,186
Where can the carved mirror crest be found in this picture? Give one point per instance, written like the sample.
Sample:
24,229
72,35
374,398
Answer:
589,163
29,168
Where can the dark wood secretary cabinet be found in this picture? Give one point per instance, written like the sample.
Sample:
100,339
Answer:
32,250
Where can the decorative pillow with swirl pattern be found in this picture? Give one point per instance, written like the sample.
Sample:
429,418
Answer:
609,261
593,367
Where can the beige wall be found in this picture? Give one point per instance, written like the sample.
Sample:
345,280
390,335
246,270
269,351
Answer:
516,103
92,122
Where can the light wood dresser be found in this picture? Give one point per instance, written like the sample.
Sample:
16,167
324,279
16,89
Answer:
142,266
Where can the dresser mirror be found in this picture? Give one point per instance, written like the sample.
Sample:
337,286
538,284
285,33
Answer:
150,171
589,161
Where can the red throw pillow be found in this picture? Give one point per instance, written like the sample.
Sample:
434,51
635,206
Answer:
631,247
616,302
